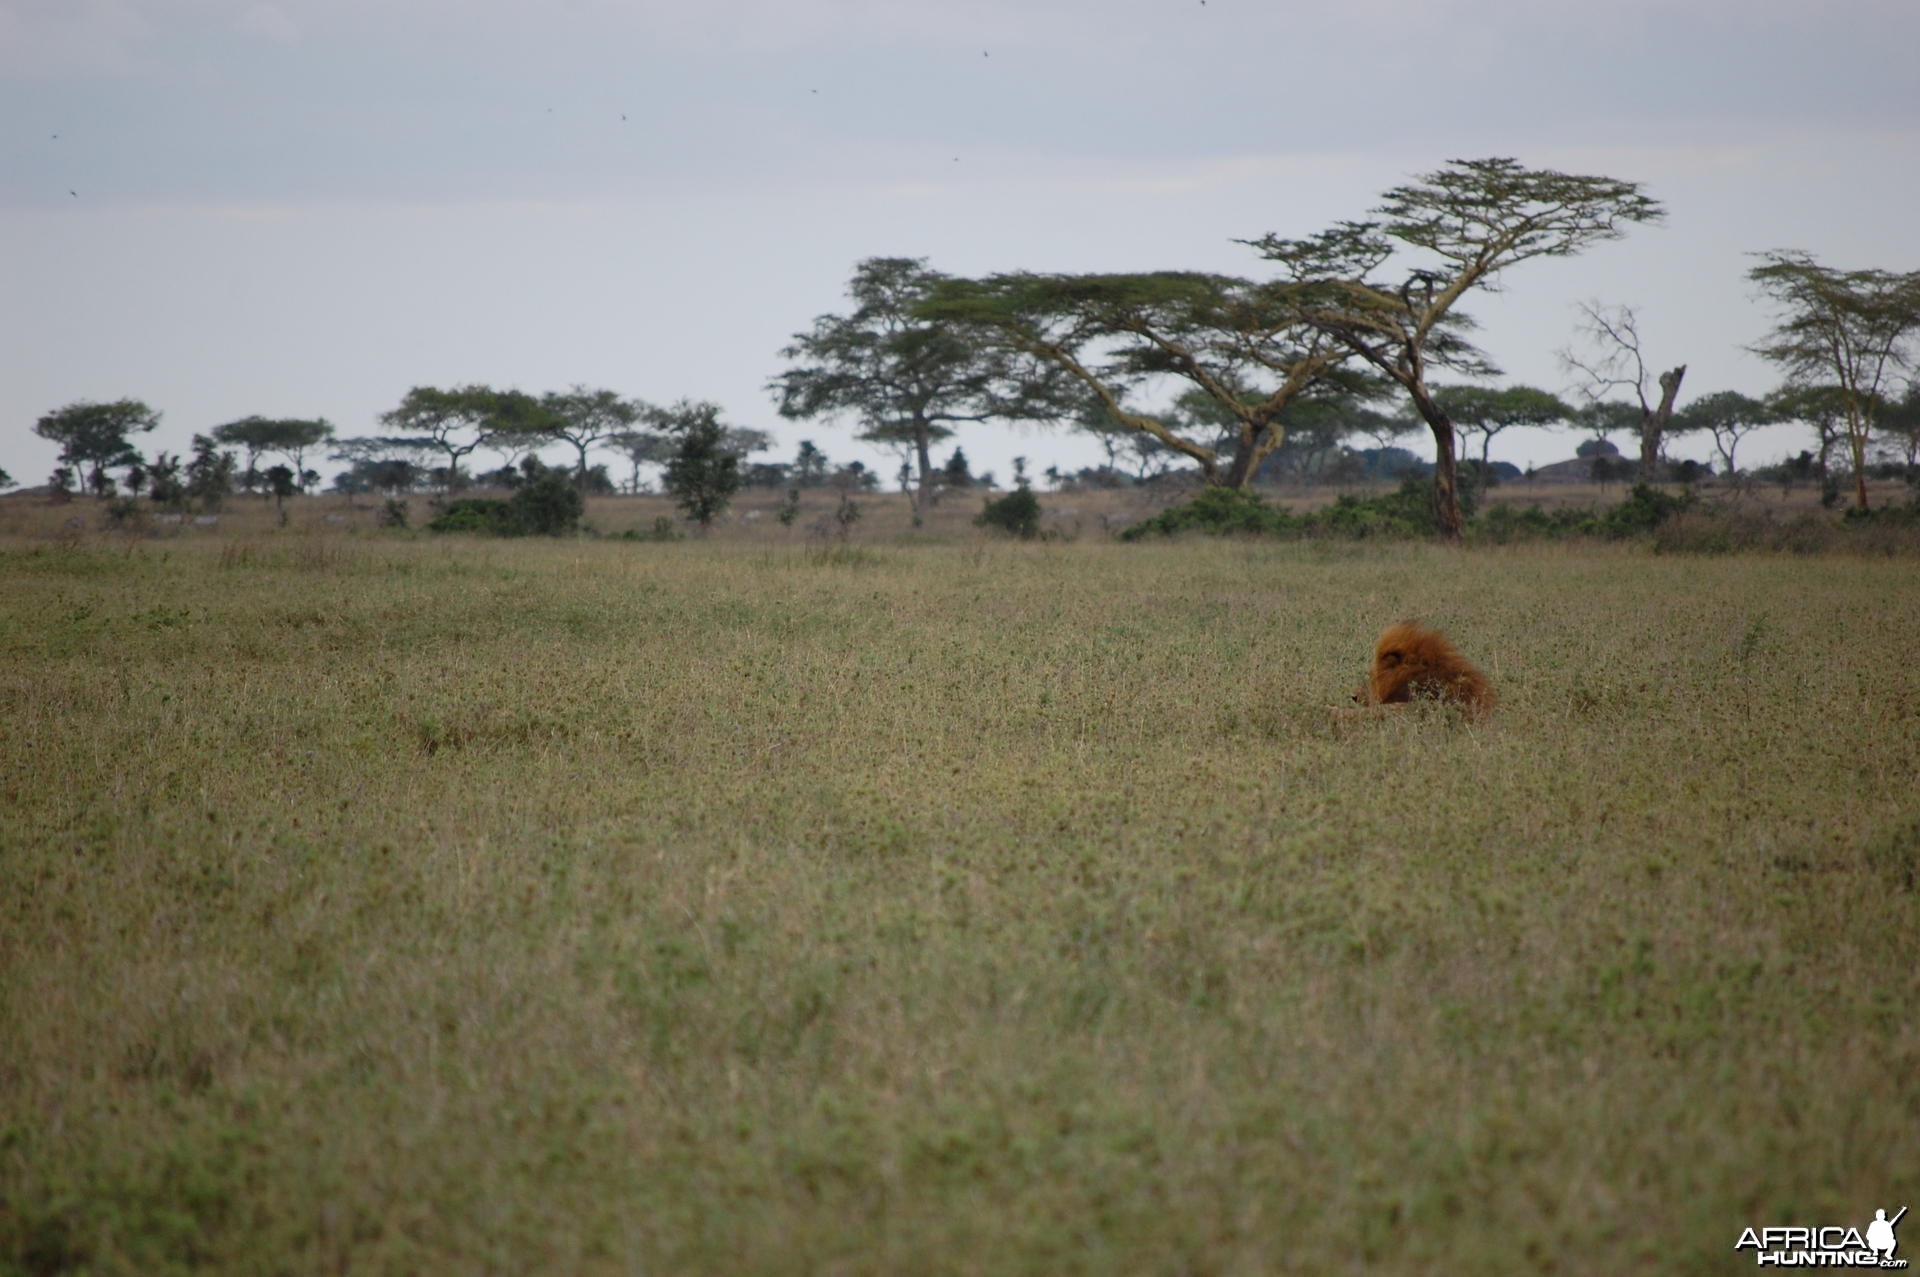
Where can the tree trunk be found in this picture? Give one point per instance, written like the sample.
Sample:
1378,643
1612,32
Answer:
1240,472
1856,424
1446,480
1446,487
1653,426
923,451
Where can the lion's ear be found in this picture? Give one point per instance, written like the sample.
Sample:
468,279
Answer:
1389,658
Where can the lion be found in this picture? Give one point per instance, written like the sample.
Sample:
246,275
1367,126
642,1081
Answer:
1413,663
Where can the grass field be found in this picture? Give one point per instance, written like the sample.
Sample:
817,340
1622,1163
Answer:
381,904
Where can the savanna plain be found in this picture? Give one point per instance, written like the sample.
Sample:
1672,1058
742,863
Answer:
378,903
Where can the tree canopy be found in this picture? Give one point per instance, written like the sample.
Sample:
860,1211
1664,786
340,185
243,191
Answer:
1122,338
579,417
1487,410
906,375
1851,329
94,435
1463,224
458,421
288,436
1728,416
703,471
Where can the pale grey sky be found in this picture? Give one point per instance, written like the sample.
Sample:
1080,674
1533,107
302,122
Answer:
305,207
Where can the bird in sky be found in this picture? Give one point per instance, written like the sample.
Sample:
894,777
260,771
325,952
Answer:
73,192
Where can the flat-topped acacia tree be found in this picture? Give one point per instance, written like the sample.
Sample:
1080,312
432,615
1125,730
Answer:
93,436
456,422
1239,343
1729,417
288,436
1487,410
579,417
1385,289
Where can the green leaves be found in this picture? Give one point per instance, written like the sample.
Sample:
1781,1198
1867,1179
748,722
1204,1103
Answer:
704,470
95,434
1852,329
1237,342
1486,214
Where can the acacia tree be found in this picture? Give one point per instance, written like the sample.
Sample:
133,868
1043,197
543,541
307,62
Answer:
908,376
1465,224
1486,411
295,436
1618,364
1240,343
457,421
1823,409
288,436
582,418
1729,417
1853,329
641,448
94,436
516,445
1899,423
381,463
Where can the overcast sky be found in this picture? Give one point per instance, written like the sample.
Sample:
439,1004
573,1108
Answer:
304,208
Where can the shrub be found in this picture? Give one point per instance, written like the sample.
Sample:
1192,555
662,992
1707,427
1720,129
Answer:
1217,512
469,514
1017,513
664,529
1407,511
1506,523
546,505
1644,510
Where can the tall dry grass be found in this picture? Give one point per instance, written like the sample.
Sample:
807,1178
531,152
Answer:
377,904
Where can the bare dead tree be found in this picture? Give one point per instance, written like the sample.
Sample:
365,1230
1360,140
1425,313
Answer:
1618,364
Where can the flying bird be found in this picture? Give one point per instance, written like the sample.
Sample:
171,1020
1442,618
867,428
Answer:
73,192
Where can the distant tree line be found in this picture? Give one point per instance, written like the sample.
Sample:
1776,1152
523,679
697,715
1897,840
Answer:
1358,332
1225,374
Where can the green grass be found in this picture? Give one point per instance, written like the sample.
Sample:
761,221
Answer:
405,905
